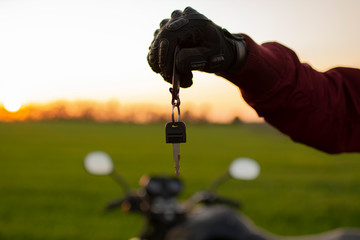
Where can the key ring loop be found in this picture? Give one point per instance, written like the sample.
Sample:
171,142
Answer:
175,100
172,113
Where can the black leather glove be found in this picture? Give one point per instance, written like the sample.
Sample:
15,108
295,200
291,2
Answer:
201,45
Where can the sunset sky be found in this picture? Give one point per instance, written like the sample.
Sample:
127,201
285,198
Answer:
96,49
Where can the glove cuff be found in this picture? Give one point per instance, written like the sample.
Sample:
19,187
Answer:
240,55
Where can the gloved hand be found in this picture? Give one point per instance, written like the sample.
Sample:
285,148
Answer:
201,44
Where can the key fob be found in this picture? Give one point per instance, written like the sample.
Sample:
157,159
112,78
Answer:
175,132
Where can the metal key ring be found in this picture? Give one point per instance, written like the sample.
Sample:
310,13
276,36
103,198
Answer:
172,113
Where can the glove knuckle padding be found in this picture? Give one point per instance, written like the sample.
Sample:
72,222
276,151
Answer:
177,24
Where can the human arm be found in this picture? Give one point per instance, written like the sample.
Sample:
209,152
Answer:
320,109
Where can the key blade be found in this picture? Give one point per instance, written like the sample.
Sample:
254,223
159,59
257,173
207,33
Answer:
176,157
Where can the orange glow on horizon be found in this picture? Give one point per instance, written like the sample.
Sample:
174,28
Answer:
113,111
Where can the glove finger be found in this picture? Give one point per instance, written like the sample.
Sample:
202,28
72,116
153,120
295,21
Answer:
190,10
155,37
186,80
163,22
167,69
151,58
156,32
189,59
166,56
153,55
167,78
190,13
163,52
176,14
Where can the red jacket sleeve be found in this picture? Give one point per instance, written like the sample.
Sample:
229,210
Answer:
320,109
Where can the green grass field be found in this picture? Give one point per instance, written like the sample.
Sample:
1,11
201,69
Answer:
45,192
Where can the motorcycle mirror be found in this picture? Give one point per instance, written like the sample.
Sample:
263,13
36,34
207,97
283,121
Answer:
241,169
98,163
244,169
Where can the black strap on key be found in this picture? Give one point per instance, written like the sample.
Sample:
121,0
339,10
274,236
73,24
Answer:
175,130
175,90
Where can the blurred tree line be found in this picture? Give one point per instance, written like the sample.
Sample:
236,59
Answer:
110,111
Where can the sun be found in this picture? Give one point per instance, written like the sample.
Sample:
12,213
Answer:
12,104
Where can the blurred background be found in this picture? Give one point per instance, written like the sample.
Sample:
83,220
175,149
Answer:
74,78
96,50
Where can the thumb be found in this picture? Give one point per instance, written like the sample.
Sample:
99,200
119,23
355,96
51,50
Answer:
188,59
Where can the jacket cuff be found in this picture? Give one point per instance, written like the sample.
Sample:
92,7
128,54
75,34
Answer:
261,72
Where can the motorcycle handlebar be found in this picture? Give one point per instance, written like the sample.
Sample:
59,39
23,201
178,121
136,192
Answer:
131,202
113,204
210,198
229,202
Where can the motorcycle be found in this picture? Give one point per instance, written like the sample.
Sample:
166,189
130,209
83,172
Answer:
204,216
